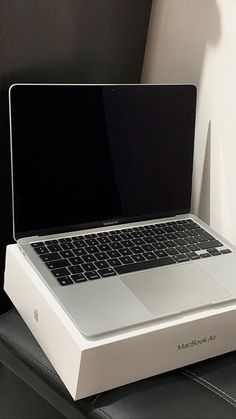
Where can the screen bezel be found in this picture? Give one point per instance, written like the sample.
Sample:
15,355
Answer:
96,224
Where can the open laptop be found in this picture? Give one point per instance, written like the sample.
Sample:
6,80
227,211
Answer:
101,180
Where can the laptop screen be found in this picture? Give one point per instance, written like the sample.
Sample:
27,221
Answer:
92,155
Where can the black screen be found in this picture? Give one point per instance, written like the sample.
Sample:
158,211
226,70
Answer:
85,155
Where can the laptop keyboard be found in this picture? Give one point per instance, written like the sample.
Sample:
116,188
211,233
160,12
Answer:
92,256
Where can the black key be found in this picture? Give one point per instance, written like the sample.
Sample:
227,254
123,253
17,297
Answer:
193,247
171,236
146,227
182,249
172,251
201,239
41,250
88,258
80,244
114,262
64,280
182,234
77,238
78,278
76,260
103,240
115,238
50,256
149,255
136,249
79,252
181,242
92,249
67,246
153,230
60,272
107,272
148,264
64,240
148,247
224,251
75,269
199,231
104,247
158,230
101,264
114,253
92,275
49,242
138,234
128,233
125,252
101,255
91,242
126,259
54,248
205,255
191,225
138,242
181,258
161,253
159,246
62,263
127,243
128,236
138,258
116,246
160,238
89,267
179,227
193,255
210,244
67,254
90,236
108,233
150,239
170,243
37,244
191,240
208,236
214,252
193,232
148,233
168,229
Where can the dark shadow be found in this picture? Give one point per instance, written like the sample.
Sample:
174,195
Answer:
210,368
132,394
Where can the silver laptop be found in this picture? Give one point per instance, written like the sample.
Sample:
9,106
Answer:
101,180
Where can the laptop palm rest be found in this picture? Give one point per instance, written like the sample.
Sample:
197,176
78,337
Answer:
167,290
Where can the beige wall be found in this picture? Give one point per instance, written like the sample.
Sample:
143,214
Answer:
194,41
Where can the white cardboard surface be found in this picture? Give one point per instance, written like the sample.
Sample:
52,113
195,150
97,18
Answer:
90,366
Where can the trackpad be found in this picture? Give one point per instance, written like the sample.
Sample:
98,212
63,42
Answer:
171,290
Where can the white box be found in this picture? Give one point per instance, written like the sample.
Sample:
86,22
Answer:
91,366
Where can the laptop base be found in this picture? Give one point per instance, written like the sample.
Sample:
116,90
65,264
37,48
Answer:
90,366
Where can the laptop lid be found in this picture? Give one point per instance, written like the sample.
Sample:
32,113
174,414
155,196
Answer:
92,155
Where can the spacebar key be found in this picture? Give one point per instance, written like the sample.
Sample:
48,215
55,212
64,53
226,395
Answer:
149,264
